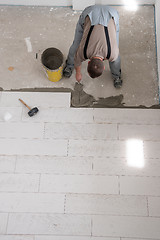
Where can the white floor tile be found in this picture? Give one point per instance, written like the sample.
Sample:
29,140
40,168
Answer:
119,166
16,237
72,238
10,114
21,130
110,205
140,186
97,148
80,131
33,147
152,149
61,115
3,222
140,239
154,206
35,99
19,182
31,202
143,132
53,164
133,227
79,184
7,163
49,224
133,116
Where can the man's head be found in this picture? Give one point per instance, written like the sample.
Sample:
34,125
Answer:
95,67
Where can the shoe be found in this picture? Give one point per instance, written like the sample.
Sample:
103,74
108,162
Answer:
118,82
67,71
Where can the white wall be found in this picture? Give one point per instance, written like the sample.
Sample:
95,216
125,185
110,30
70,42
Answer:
37,2
81,4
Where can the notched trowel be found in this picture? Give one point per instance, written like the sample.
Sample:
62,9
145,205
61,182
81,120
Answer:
79,98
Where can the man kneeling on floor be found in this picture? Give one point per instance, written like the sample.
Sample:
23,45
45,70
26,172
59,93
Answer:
97,39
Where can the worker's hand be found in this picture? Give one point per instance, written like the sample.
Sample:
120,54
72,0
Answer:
78,77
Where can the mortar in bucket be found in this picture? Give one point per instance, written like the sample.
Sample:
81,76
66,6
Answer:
52,61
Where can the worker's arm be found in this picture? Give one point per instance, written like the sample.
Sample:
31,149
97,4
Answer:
78,73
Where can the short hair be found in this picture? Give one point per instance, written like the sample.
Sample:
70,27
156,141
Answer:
95,67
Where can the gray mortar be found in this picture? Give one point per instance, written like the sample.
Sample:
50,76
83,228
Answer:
108,102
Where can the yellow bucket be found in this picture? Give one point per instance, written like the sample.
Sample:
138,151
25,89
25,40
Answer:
52,61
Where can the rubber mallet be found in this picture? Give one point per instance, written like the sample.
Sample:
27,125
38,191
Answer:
32,111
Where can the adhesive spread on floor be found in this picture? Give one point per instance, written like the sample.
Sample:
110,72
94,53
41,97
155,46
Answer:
113,101
80,98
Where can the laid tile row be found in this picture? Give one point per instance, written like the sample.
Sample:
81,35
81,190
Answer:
52,237
81,225
78,131
89,184
86,204
77,165
82,115
76,148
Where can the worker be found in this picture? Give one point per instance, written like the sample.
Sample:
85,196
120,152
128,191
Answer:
97,39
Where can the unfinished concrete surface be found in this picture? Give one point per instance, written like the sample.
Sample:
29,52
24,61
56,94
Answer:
27,31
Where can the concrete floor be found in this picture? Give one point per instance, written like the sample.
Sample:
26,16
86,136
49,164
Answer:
25,31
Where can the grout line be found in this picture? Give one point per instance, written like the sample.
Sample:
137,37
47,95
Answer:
67,148
118,131
39,183
83,214
119,184
44,130
65,199
91,226
147,206
7,223
14,171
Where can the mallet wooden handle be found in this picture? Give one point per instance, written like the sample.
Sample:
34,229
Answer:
24,104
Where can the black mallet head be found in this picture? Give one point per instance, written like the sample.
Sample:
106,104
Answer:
33,111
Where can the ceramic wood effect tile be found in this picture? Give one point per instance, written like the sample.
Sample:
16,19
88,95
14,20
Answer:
79,184
10,114
97,148
16,237
132,116
140,186
33,147
36,99
131,227
152,149
53,164
19,182
80,131
120,166
61,115
106,205
7,163
72,238
55,224
143,132
21,130
3,222
154,206
31,202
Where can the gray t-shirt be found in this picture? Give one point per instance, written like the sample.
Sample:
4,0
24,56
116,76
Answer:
97,45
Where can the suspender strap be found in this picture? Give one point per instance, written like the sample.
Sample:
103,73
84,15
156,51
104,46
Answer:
87,41
108,42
